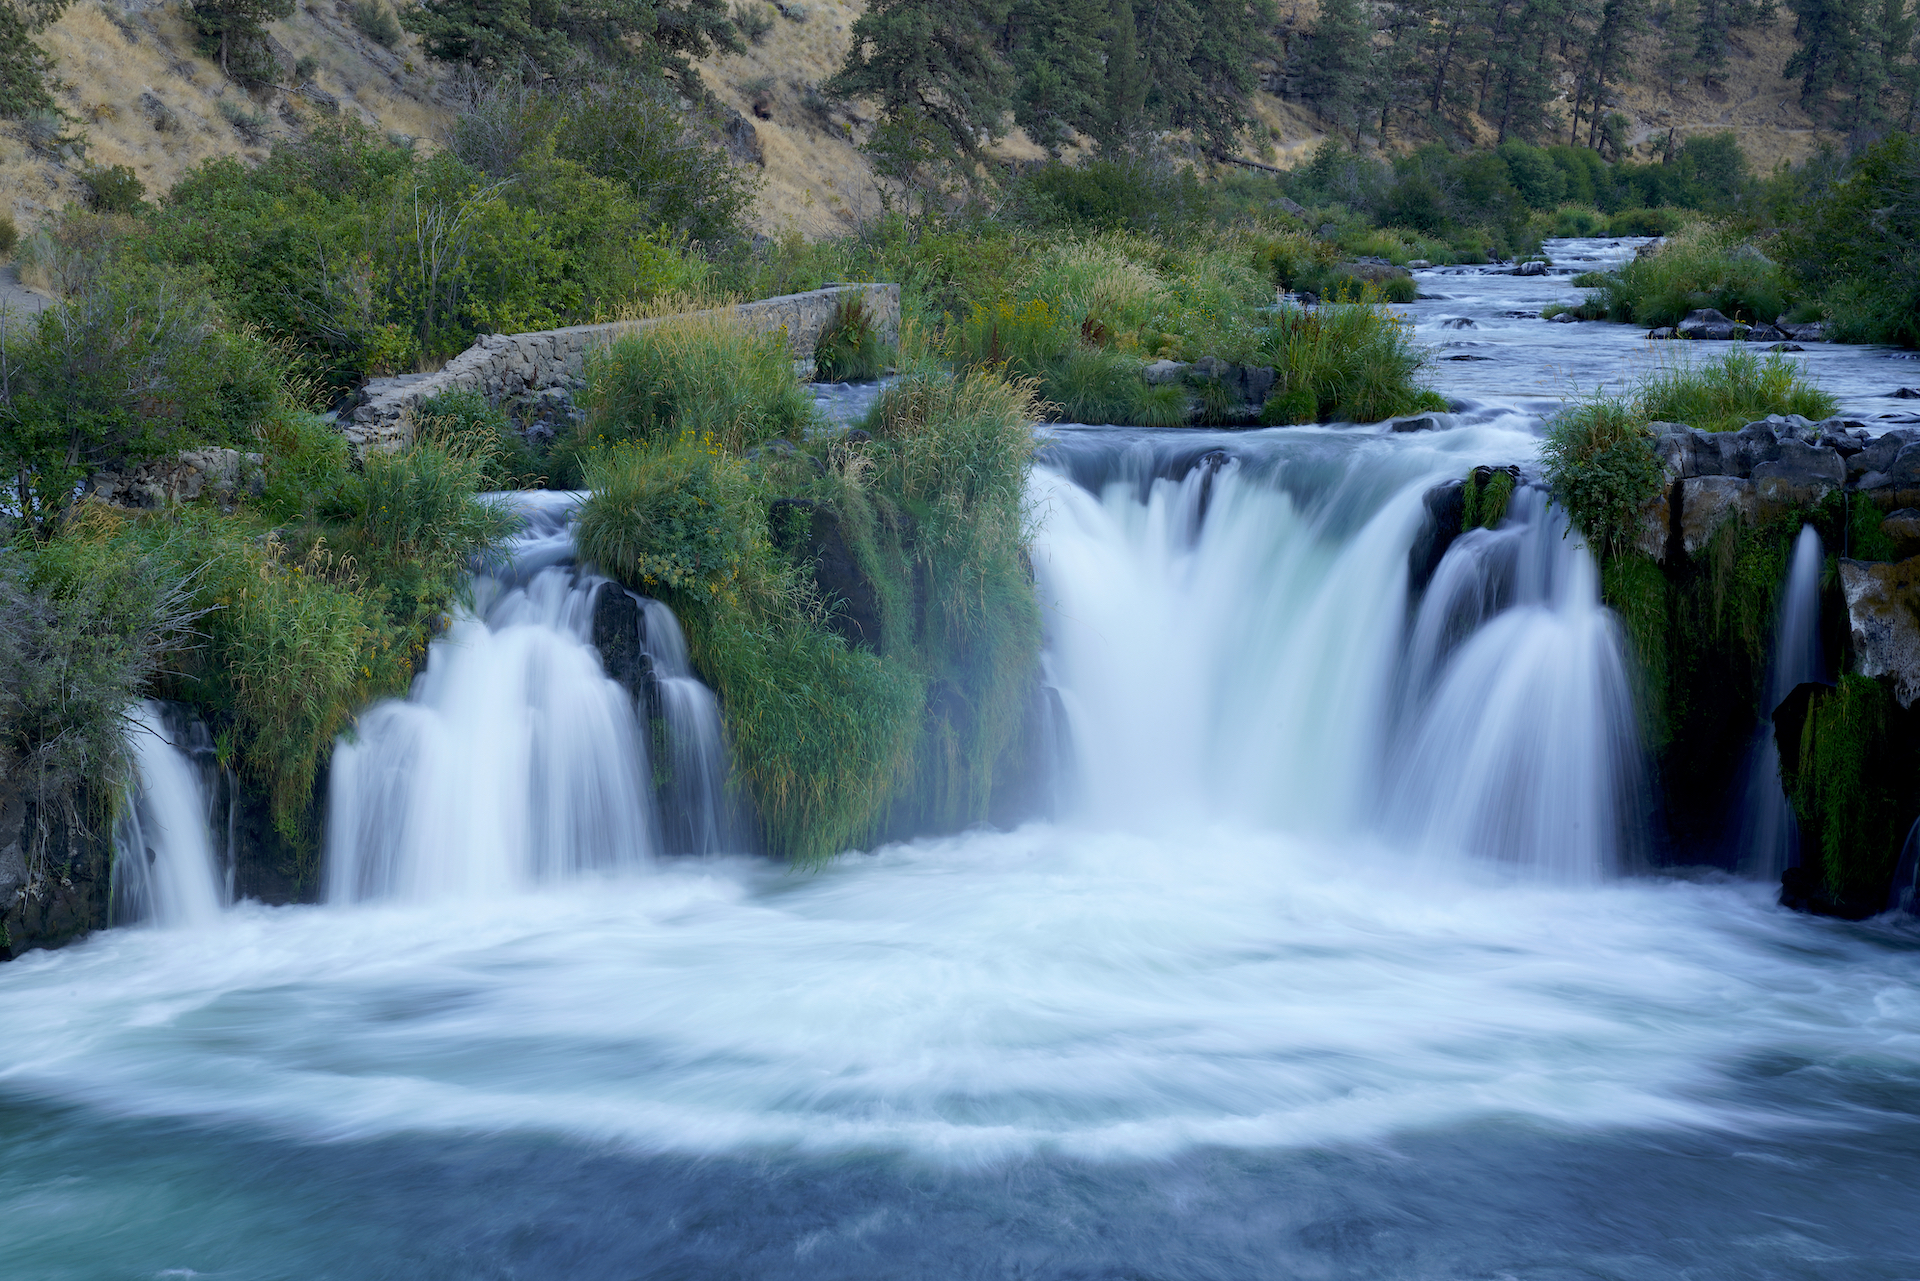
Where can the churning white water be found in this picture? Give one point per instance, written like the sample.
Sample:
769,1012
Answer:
1769,836
164,869
515,759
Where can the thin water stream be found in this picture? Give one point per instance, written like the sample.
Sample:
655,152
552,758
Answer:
1336,964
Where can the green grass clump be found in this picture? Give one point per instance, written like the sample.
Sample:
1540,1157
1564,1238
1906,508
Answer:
1647,222
1730,391
1701,266
684,517
849,350
1599,459
1851,787
1343,362
835,745
699,375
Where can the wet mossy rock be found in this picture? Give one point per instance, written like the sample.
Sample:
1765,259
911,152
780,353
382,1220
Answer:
56,903
1883,622
810,532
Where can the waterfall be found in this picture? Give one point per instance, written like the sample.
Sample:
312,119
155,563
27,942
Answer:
695,813
1231,639
164,868
1520,740
515,758
1769,837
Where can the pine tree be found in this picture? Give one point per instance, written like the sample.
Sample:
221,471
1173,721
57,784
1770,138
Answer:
1679,40
1055,53
235,33
935,61
1338,65
25,67
1123,105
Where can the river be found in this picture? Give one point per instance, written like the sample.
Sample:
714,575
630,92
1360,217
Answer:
1341,960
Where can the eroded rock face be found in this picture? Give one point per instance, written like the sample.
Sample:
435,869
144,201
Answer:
1706,323
1881,604
1707,502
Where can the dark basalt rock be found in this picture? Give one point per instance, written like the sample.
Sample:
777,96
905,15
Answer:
616,634
1425,422
1446,508
810,532
1706,323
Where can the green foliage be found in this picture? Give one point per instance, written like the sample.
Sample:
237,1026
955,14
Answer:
131,366
546,38
466,423
1727,393
84,625
9,234
1850,781
1850,236
113,190
1704,266
1022,339
1484,498
234,34
1129,193
1635,588
700,375
1600,461
849,349
26,69
1343,362
682,518
1646,222
834,745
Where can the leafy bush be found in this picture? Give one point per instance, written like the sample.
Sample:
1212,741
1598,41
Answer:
1599,459
1646,222
1730,391
754,20
1851,238
849,349
468,424
131,367
1344,362
1107,195
113,190
9,234
701,375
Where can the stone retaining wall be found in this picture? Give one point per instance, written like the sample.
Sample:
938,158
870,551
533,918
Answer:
502,366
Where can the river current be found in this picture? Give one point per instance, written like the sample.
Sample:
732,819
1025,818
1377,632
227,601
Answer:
1340,961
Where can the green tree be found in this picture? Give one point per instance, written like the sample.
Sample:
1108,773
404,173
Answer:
932,65
24,65
234,33
1123,97
550,37
1055,54
1339,63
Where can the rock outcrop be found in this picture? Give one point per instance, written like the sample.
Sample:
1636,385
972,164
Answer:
220,474
1883,622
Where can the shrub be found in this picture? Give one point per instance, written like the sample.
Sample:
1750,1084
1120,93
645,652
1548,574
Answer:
1349,362
754,20
1852,240
253,126
1599,459
1646,222
9,234
1107,195
682,518
849,349
377,23
113,190
705,376
466,423
1730,391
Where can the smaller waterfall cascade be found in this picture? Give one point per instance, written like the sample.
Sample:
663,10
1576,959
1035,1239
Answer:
515,758
1519,739
1769,836
164,869
696,816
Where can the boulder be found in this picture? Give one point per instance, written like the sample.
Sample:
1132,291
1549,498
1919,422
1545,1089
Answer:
1562,318
1783,347
1905,393
1446,509
1708,502
1815,332
1457,322
1706,323
1425,422
1680,449
1803,474
1418,264
1654,536
616,634
1874,459
1903,527
1166,371
1287,206
1766,333
1663,332
1884,623
1535,268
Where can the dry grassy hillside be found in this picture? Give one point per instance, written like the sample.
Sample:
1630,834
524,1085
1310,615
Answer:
147,99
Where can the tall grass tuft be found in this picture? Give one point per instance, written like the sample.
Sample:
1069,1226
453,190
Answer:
1344,362
1730,391
1599,459
1700,266
849,349
705,375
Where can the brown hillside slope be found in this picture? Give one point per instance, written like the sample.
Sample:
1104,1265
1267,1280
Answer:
147,99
